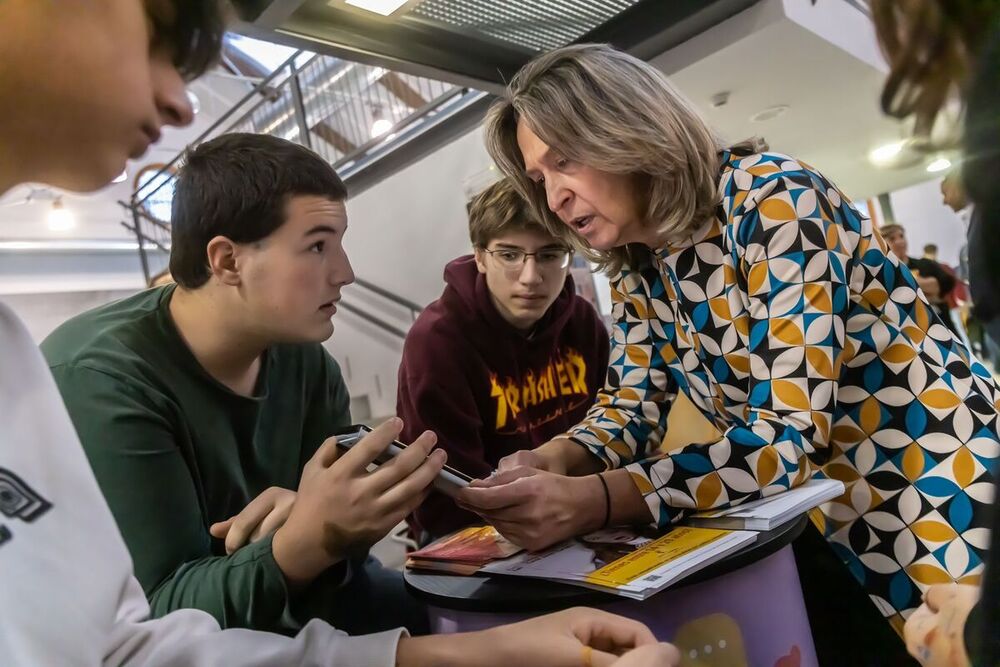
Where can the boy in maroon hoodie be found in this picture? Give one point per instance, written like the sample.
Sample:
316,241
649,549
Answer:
507,358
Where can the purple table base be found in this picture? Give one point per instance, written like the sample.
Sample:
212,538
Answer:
754,616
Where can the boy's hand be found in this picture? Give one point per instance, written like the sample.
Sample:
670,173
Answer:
264,515
577,637
935,632
342,509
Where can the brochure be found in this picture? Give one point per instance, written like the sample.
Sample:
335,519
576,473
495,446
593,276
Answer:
625,562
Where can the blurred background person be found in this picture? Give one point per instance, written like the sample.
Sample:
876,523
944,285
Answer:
937,49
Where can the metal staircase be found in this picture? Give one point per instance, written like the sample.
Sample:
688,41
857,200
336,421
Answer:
332,107
351,114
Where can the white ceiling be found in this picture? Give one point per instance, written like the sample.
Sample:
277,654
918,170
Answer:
98,215
823,62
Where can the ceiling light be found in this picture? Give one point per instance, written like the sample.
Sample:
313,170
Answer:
769,113
939,164
383,7
60,217
195,102
885,153
380,127
720,99
121,178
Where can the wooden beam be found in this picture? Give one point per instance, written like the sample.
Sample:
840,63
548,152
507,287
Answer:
323,130
395,84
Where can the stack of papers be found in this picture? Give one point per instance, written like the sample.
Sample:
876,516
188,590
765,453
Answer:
769,513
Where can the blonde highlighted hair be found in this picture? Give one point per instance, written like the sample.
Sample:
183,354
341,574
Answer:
605,109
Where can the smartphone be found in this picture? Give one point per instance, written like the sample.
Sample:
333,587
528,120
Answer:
449,481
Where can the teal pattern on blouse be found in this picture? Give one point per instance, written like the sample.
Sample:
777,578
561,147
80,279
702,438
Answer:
791,326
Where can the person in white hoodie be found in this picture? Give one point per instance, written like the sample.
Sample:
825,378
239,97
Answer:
87,85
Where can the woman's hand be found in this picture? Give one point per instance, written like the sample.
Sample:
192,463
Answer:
534,508
528,458
561,456
573,638
935,632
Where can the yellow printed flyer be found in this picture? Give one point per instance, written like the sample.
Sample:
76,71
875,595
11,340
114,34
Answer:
678,542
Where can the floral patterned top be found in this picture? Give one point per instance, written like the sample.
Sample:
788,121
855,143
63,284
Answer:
789,324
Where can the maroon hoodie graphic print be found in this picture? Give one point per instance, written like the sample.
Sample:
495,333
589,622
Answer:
488,390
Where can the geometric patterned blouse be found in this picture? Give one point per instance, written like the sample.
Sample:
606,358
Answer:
794,330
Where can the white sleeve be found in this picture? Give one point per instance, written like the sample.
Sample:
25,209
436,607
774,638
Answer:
192,638
67,593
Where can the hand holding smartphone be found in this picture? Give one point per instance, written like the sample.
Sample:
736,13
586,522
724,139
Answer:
341,508
449,481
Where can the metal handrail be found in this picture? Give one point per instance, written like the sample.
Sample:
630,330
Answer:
861,5
414,308
146,216
293,71
163,177
406,122
218,123
365,315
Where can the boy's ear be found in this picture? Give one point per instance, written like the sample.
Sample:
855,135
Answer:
223,255
480,255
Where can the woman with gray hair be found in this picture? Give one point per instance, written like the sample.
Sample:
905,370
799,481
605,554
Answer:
749,282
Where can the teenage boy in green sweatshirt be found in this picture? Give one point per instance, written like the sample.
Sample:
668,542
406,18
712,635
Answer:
192,399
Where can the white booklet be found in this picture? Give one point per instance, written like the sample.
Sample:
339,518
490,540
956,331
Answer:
769,513
625,562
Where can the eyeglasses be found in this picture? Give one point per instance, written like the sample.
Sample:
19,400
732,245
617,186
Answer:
546,258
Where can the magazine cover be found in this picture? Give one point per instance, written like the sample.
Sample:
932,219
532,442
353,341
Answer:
463,552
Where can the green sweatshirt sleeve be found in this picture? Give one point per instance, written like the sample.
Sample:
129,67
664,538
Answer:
139,462
246,589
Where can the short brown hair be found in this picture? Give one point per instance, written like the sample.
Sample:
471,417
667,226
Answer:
161,278
954,178
885,230
497,210
238,185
